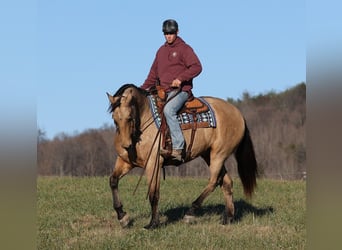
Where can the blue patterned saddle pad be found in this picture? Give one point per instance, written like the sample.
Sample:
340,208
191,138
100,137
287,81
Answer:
204,120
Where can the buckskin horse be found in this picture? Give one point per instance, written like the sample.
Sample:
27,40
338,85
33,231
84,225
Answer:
136,145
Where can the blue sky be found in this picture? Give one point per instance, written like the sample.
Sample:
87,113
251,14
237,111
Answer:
74,51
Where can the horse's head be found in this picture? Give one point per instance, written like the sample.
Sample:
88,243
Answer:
125,114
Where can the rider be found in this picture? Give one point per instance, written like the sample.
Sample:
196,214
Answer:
174,66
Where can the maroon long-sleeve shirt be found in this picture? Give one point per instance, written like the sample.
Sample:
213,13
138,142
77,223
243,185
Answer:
174,61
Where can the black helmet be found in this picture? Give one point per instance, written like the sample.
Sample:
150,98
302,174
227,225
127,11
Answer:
170,26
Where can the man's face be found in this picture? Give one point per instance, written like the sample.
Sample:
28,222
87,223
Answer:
170,38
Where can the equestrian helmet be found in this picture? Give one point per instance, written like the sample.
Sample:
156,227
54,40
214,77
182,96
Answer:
170,26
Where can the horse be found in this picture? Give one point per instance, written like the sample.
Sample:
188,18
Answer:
136,144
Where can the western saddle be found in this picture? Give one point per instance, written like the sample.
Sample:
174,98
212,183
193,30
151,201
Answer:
192,106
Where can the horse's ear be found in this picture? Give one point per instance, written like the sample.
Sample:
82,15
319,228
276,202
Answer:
111,98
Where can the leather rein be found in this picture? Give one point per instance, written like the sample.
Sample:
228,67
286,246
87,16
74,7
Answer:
158,136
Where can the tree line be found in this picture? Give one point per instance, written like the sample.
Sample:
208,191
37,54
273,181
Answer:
276,122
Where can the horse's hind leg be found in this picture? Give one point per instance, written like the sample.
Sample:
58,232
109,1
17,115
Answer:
216,177
227,189
121,168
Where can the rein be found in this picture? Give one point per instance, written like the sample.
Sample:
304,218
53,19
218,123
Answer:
149,124
148,157
156,168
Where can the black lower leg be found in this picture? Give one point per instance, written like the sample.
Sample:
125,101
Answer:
154,223
194,208
119,212
113,182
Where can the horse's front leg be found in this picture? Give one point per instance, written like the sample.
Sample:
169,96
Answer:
153,176
121,168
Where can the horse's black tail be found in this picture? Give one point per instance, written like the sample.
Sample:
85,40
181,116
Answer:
247,165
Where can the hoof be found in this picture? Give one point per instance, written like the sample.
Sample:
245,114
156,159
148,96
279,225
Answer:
189,219
125,221
227,220
152,225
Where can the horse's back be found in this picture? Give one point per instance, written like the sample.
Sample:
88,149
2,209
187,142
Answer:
228,132
225,112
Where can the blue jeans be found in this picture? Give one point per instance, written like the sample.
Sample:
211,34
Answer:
170,111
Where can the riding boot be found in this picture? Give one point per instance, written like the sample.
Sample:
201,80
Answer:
165,153
176,154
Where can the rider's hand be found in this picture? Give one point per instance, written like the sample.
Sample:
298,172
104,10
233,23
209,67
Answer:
176,83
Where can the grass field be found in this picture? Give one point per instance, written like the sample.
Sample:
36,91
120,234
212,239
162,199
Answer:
76,213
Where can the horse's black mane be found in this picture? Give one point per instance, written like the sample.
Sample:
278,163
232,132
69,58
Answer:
120,91
129,85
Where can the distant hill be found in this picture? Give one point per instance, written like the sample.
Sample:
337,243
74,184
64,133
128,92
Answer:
277,123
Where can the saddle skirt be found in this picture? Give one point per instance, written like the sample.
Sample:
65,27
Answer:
196,111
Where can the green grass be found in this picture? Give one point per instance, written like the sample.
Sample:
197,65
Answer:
76,213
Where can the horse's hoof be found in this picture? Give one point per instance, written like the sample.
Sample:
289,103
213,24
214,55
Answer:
152,225
189,219
125,221
227,220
